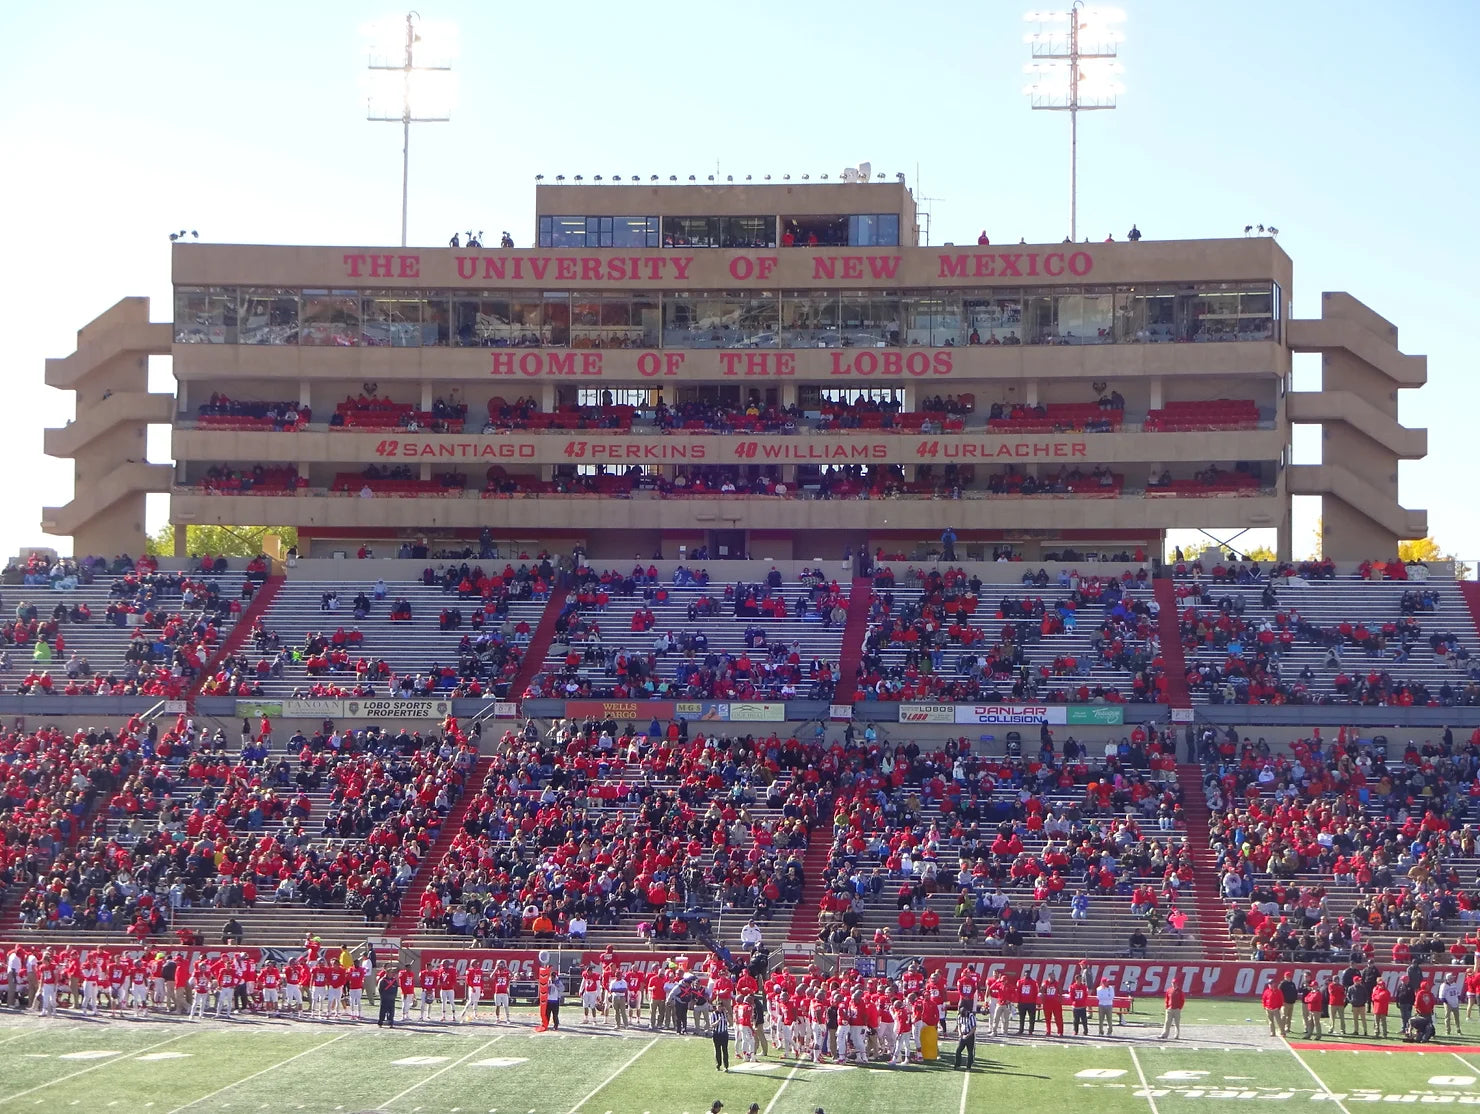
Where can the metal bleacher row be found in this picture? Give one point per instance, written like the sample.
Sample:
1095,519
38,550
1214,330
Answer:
724,630
407,646
1103,934
101,642
1328,603
1042,650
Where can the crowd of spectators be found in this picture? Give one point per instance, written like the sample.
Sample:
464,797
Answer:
1011,840
189,825
598,824
666,654
1334,848
949,653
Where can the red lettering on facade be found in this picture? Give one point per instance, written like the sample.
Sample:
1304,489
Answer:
352,265
681,266
380,266
883,266
853,267
825,266
1053,264
408,266
1081,263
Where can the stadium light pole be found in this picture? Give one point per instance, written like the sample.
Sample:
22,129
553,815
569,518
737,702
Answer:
409,71
1075,69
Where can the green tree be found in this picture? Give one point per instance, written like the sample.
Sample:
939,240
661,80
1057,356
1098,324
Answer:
1261,553
220,541
1428,551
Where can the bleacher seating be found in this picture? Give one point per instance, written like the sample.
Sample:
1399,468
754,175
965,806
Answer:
1054,417
608,642
1090,639
1203,414
1325,854
321,837
1282,640
374,654
382,413
141,632
626,834
993,844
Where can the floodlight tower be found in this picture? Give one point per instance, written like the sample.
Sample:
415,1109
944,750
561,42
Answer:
1075,70
411,75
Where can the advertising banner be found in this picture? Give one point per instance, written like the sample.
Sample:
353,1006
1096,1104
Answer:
756,713
505,709
634,710
367,709
840,711
1011,714
927,713
1110,715
1140,977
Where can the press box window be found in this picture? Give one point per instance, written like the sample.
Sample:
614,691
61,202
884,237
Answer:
874,230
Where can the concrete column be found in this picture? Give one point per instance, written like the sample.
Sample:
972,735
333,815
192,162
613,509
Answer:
180,538
1156,393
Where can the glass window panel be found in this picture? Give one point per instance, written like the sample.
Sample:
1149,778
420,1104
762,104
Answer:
205,315
268,317
647,320
869,320
748,232
691,232
435,323
556,308
1040,317
809,319
932,318
330,318
700,319
484,321
1086,317
634,232
392,322
547,225
888,230
567,232
993,319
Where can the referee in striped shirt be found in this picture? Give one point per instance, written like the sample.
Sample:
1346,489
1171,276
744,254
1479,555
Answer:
966,1037
720,1031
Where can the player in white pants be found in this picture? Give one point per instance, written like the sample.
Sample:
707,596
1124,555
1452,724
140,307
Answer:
224,995
90,996
470,1005
198,1001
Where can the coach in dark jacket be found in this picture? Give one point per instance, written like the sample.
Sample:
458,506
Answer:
388,987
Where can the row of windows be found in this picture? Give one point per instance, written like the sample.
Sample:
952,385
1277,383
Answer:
727,319
860,230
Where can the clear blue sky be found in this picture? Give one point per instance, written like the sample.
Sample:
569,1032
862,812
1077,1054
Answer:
1349,127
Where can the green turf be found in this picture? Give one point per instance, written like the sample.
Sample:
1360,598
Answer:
174,1067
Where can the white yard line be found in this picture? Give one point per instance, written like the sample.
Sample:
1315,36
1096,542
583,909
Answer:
1145,1086
445,1070
602,1085
777,1096
25,1032
965,1083
1321,1083
84,1071
255,1074
1465,1062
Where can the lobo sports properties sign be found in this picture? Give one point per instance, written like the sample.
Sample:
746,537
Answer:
1111,715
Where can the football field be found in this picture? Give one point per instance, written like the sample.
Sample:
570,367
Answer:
170,1066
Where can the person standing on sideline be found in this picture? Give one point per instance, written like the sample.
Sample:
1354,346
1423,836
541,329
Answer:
1336,997
617,995
554,995
1105,1008
1175,1000
1452,995
1382,998
1274,1006
719,1029
1358,997
1289,995
386,988
1079,1003
966,1036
